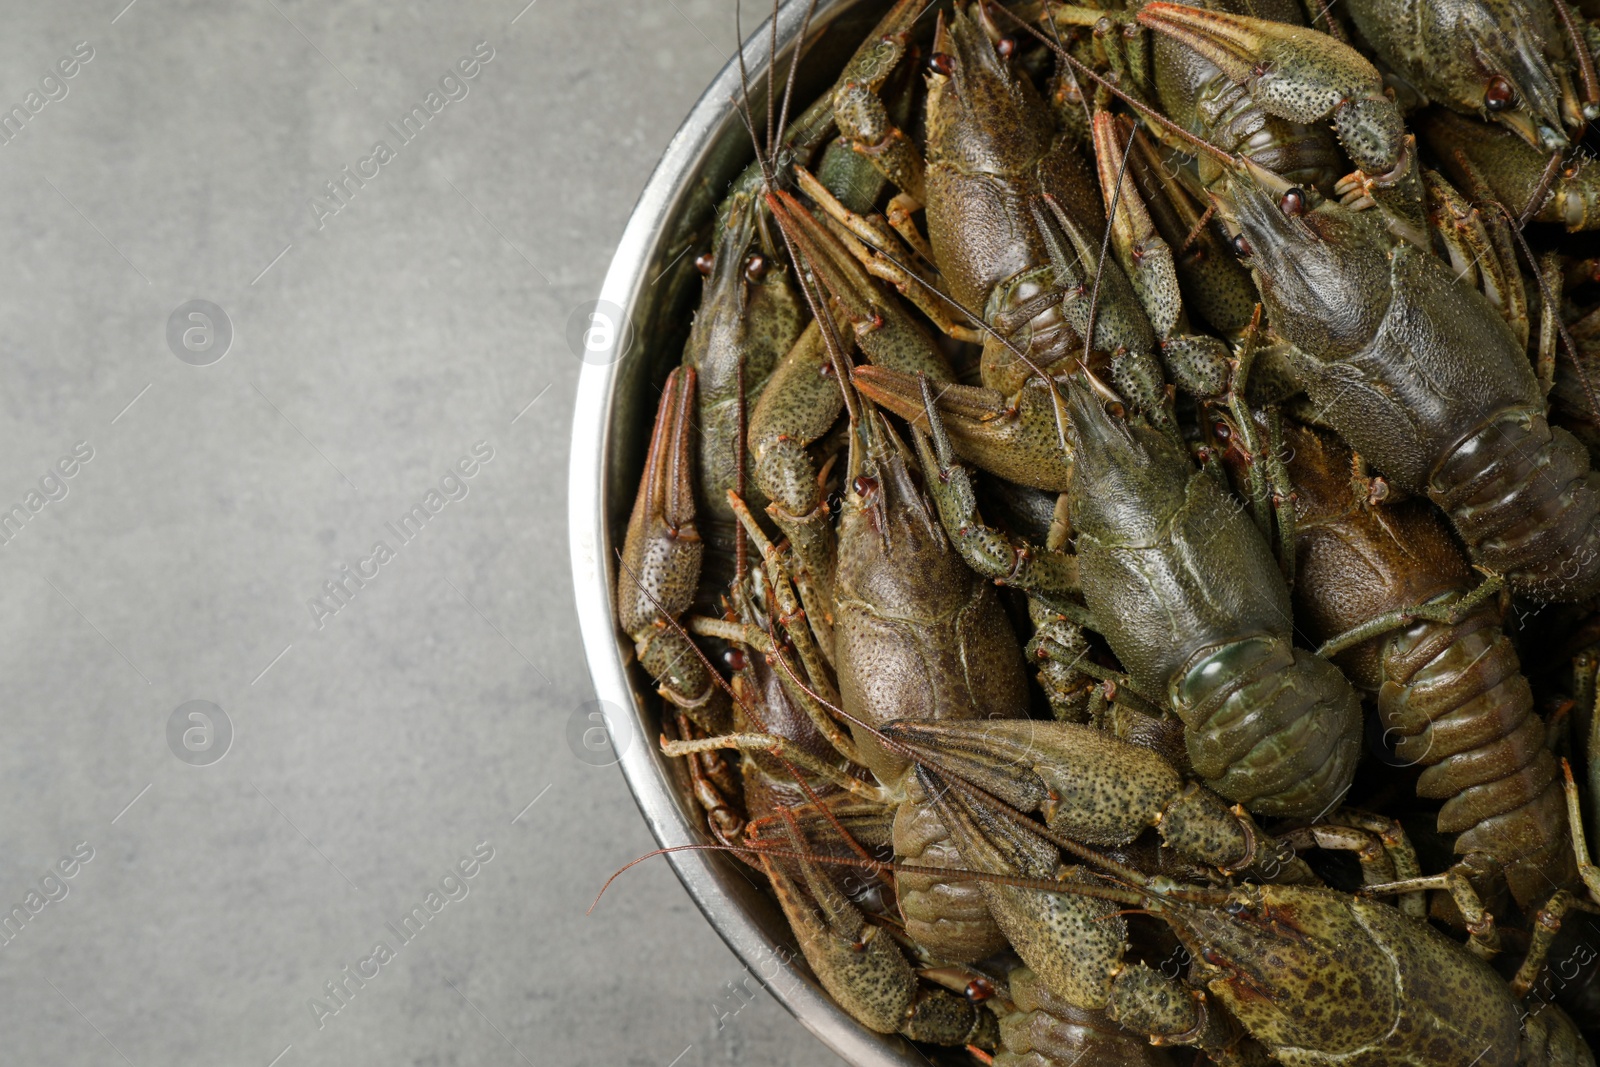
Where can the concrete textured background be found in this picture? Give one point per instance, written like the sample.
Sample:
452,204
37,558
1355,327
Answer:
372,348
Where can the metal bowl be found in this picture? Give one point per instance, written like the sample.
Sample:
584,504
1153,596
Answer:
638,329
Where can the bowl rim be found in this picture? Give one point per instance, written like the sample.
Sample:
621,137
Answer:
712,881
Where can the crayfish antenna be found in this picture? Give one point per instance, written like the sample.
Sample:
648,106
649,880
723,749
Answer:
794,64
767,156
653,853
1105,249
1127,895
1586,71
743,101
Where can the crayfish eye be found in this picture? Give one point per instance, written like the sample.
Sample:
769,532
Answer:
942,63
1240,245
864,486
1223,431
1293,203
755,268
1005,47
1499,95
704,263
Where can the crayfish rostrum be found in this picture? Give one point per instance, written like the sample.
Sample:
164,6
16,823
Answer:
1087,550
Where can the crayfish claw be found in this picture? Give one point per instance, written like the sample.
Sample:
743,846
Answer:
1295,73
1016,439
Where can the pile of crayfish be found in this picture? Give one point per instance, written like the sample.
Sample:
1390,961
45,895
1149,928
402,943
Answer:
1119,554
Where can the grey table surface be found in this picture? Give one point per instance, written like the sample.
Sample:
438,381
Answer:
197,883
